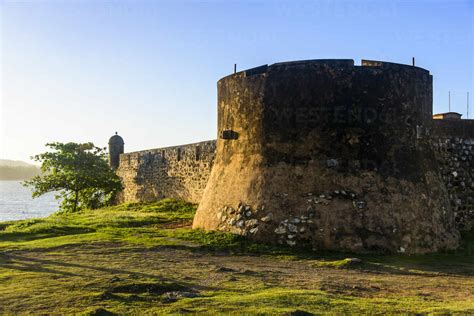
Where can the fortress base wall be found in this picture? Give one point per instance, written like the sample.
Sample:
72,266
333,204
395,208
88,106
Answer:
453,142
179,172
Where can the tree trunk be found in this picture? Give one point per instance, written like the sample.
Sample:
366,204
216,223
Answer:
76,199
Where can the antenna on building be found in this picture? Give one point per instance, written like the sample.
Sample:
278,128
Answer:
235,68
449,100
413,61
468,104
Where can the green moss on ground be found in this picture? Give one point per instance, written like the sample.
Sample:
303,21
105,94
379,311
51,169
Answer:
145,258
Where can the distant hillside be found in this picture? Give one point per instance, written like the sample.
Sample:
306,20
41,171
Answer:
17,170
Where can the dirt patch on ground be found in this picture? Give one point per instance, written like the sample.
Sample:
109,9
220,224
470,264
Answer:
182,224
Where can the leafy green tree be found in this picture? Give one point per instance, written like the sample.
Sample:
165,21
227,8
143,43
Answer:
79,173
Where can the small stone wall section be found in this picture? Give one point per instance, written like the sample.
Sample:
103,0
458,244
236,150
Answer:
179,172
453,143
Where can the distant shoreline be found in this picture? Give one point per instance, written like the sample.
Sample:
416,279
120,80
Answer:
18,173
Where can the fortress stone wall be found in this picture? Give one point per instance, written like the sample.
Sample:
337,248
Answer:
179,172
325,154
453,142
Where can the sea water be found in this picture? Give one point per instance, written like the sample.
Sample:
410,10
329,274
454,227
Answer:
16,202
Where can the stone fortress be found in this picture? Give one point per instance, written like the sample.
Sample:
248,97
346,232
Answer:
324,154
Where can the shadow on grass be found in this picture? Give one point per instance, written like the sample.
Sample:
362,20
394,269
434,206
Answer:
21,236
18,262
135,286
459,262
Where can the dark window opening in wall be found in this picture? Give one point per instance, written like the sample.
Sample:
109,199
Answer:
198,153
179,154
163,155
129,160
138,158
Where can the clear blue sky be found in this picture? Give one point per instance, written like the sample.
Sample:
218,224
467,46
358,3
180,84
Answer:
81,70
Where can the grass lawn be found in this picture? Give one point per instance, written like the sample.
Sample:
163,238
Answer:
145,259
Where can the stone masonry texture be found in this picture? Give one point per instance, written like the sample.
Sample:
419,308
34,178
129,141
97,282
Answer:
453,142
322,154
179,172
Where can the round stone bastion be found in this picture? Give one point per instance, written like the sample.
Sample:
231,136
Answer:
328,155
